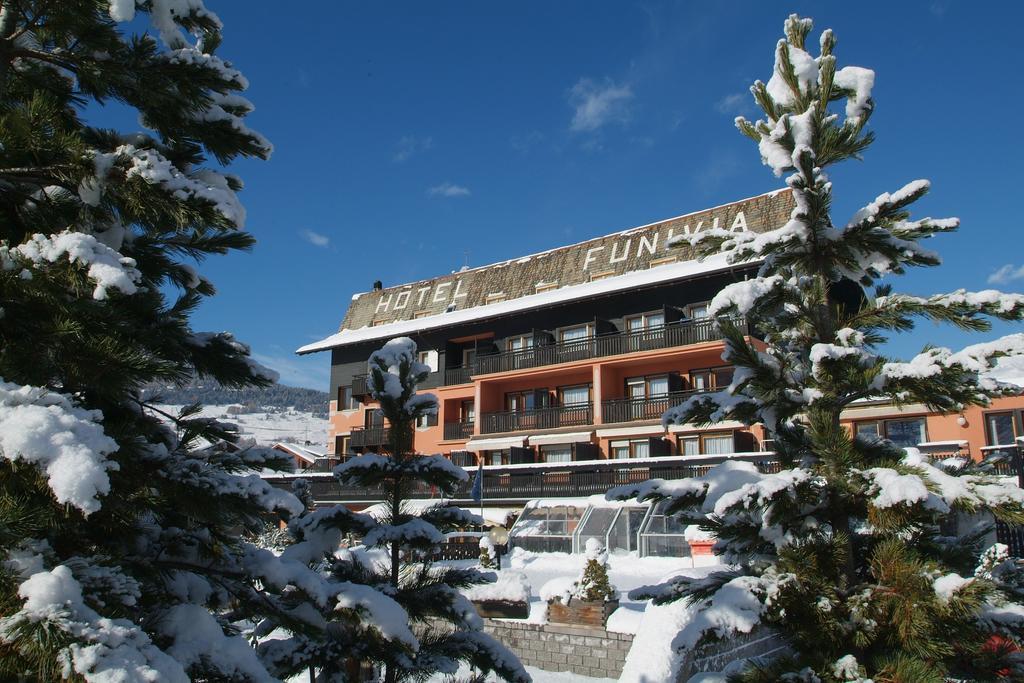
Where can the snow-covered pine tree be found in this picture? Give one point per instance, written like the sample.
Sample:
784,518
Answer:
851,552
594,584
445,622
120,556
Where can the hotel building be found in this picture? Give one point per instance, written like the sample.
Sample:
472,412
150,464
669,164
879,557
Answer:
555,368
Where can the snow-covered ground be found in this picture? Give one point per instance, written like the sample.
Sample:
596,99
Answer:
267,428
626,572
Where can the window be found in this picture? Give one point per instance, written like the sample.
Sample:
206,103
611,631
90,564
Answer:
521,343
341,447
573,334
494,297
574,396
602,275
546,286
717,444
698,311
662,261
467,411
868,430
423,421
377,323
906,432
519,401
630,448
420,314
647,387
711,378
428,358
468,357
707,443
345,399
1000,429
556,453
647,321
495,457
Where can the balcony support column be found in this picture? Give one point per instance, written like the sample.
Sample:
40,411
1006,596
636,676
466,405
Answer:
479,418
596,383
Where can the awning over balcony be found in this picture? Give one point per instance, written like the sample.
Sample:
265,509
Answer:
717,426
565,437
498,444
642,430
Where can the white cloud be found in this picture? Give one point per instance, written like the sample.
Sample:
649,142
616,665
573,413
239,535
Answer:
598,104
311,372
410,145
732,104
1006,274
448,190
316,238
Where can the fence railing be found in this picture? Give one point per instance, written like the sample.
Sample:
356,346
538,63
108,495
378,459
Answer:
458,430
537,418
666,336
543,480
369,436
360,385
646,408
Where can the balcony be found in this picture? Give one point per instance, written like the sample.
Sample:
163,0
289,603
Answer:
361,385
457,431
647,408
459,375
369,437
537,418
681,333
542,480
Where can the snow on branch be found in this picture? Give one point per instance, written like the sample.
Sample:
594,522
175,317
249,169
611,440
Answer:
109,269
102,649
206,185
47,430
967,365
238,349
197,639
415,532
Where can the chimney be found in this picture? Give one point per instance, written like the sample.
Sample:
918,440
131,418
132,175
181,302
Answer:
377,285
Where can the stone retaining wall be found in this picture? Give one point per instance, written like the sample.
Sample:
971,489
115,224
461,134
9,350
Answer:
555,647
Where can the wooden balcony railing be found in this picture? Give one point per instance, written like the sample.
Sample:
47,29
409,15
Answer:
537,418
459,375
457,430
369,437
543,480
647,408
667,336
360,385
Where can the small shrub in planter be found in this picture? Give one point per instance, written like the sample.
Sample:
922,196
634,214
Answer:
591,599
486,553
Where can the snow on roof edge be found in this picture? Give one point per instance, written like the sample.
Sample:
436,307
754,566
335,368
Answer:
636,278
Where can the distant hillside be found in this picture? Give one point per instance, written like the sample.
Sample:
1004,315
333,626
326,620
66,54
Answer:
211,393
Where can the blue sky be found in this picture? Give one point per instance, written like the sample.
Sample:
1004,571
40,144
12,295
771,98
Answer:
411,138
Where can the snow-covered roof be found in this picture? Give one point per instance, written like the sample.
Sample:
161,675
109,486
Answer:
628,281
301,452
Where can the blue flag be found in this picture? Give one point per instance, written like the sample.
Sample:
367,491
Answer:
477,493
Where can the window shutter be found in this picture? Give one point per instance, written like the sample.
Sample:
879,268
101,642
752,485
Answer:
660,447
520,456
584,450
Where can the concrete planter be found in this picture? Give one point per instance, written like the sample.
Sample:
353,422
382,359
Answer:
581,612
502,609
